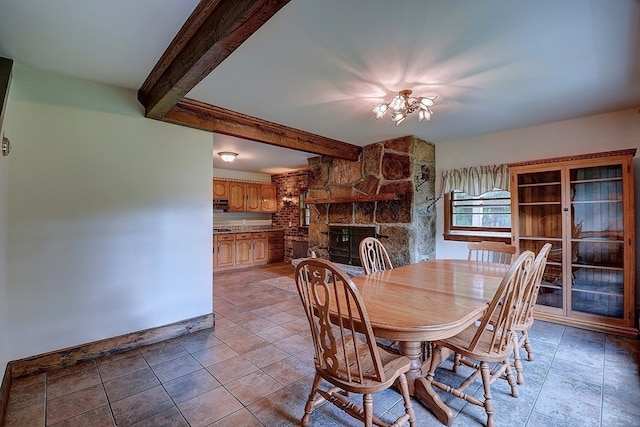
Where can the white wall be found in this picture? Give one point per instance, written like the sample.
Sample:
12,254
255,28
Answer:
605,132
4,330
109,216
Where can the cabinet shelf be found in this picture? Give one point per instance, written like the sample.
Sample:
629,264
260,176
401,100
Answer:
539,184
540,203
382,197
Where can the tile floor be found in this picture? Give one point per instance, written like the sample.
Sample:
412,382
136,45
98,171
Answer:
254,369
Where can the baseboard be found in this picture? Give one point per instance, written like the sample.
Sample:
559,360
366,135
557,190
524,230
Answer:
73,355
4,393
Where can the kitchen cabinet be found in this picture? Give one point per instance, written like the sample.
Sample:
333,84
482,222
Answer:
220,189
584,207
224,249
269,201
252,197
276,246
236,196
251,249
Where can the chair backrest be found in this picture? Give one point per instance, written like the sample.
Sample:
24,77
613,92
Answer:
497,324
498,252
342,335
525,315
374,256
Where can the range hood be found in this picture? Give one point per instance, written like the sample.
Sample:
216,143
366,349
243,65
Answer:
221,204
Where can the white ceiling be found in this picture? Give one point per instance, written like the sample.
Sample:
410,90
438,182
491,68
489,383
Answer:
320,66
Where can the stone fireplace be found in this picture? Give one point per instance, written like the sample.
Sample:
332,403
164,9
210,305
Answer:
389,189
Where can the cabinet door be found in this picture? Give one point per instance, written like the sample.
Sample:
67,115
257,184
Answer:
269,203
539,220
220,189
236,196
244,253
260,249
253,197
225,251
596,259
215,253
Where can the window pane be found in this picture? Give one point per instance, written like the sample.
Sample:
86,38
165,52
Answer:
489,210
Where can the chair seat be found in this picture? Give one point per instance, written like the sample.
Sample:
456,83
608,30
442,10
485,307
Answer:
460,344
393,366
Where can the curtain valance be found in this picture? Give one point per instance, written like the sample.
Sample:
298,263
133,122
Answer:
476,180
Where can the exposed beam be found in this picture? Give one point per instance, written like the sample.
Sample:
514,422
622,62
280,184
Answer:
208,117
212,32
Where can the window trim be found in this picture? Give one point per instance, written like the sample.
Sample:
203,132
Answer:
470,234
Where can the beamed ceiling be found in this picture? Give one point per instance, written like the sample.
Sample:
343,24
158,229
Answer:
212,32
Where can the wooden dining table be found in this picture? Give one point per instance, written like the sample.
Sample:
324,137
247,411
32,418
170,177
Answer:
424,302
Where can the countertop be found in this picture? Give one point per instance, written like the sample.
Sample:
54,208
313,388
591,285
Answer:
246,229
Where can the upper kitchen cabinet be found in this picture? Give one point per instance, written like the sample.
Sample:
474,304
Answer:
269,203
220,189
252,197
584,207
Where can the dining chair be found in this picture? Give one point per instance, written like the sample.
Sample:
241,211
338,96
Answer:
489,340
374,256
498,252
346,354
524,318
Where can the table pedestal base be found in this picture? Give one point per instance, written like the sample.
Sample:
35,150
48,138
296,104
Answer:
423,391
419,387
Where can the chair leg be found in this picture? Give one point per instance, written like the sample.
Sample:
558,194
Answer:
436,357
310,406
457,359
408,406
367,403
485,371
527,346
516,359
510,378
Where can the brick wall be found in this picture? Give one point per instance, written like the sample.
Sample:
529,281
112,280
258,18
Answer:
289,186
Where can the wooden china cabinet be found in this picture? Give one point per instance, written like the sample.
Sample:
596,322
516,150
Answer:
584,206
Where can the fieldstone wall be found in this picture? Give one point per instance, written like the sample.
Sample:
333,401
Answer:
404,166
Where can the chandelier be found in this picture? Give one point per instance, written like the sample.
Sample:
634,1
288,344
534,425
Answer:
403,104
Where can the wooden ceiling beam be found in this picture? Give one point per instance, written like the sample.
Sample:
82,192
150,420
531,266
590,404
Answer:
200,115
213,31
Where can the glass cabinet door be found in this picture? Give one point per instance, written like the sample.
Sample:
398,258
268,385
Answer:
539,222
597,241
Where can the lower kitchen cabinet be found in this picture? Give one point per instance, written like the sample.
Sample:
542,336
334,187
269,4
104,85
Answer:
276,246
238,250
224,249
251,249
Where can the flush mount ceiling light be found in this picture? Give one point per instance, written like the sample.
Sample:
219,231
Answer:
403,104
227,156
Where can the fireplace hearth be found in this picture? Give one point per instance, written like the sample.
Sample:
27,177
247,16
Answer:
344,243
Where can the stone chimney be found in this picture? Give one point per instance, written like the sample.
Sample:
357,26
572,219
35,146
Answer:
404,167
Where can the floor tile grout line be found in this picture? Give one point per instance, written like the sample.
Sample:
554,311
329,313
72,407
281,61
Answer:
113,417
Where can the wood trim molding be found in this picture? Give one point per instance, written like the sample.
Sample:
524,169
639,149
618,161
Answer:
200,115
211,33
4,393
631,151
73,355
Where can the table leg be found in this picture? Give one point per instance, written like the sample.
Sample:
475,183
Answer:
420,388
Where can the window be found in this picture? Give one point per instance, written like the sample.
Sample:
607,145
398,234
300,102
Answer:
475,218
